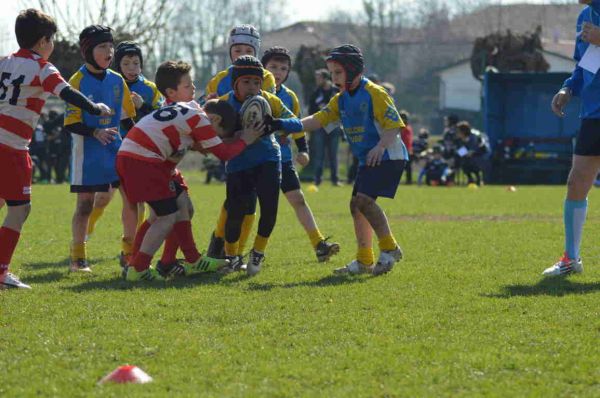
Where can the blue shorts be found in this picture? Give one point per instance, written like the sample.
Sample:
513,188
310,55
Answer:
382,180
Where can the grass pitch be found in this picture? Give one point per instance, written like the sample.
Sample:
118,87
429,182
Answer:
466,313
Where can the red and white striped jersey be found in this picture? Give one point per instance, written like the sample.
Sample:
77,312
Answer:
167,133
26,81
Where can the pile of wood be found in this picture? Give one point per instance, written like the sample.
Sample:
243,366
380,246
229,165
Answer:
508,52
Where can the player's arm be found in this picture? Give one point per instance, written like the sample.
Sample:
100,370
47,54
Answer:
127,109
574,84
327,116
53,82
283,118
299,138
73,122
387,116
206,139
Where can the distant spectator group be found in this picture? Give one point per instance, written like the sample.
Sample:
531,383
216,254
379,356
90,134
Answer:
50,149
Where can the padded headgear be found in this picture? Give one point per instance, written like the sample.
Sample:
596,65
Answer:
244,34
89,38
350,58
127,48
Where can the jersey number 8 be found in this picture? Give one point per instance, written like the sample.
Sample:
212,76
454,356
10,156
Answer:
169,112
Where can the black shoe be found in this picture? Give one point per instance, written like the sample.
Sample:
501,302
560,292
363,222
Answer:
174,269
325,250
216,247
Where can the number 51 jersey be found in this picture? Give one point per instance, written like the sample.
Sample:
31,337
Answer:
26,81
167,133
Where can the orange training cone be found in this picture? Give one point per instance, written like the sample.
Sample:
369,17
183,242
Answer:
127,374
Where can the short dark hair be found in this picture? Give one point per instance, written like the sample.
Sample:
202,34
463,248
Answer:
464,127
169,73
324,73
229,116
404,115
33,25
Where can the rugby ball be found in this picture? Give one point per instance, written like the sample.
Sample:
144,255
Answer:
254,110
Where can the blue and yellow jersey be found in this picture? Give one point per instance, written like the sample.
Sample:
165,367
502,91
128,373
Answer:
265,149
148,91
290,100
221,82
92,162
365,115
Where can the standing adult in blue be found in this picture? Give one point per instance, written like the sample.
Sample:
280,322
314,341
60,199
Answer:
584,84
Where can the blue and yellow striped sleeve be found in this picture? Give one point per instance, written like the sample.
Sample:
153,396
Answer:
213,84
74,114
330,114
290,123
128,107
298,112
157,98
269,82
384,109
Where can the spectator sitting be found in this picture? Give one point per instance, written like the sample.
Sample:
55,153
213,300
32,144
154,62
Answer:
449,139
473,152
421,144
436,170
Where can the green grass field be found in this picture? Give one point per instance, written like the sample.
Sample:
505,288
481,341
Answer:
466,313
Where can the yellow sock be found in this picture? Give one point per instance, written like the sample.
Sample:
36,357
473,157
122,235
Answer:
220,230
94,217
387,243
315,237
126,245
231,249
365,255
260,243
78,251
246,230
141,214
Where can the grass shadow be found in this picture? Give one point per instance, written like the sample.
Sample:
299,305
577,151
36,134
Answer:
62,263
118,283
327,281
547,287
48,277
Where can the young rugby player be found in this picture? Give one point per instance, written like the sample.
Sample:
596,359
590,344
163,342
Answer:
146,165
146,98
96,141
243,40
27,81
372,126
278,61
257,171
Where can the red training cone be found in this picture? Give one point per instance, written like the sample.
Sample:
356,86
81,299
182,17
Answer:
127,374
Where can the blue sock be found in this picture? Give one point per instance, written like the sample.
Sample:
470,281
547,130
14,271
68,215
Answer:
574,218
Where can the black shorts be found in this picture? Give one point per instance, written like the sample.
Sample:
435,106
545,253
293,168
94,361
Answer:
289,177
164,207
382,180
587,142
241,186
95,188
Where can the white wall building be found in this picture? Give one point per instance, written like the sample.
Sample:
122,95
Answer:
459,90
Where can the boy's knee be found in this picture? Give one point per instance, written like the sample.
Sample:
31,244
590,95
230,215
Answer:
85,207
354,207
296,199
